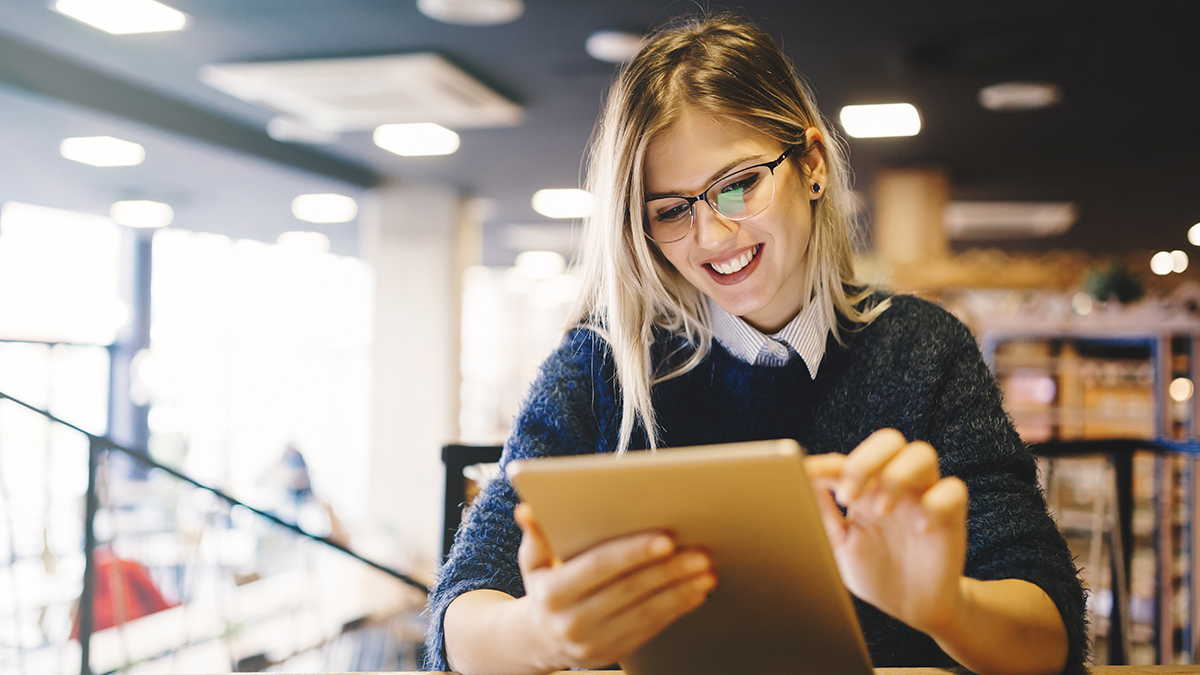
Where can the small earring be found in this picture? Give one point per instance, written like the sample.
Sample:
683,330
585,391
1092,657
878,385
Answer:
816,188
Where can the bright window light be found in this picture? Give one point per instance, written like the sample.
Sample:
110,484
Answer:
121,17
1179,261
103,151
541,264
880,121
416,140
1163,263
568,203
324,208
141,213
305,241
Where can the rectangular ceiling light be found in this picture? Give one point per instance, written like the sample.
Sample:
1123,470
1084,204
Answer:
1007,220
881,121
121,17
102,151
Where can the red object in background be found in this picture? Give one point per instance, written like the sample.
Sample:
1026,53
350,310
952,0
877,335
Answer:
123,592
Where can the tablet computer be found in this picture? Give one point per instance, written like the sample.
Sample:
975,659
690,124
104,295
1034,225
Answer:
779,605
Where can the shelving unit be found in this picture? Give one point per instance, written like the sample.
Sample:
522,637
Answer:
1118,459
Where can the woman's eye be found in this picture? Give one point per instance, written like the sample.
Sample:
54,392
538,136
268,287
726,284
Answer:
743,183
671,214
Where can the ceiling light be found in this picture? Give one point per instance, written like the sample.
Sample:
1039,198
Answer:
103,151
141,213
291,130
1179,261
416,140
122,17
614,46
880,121
305,241
1194,235
324,208
568,203
1162,263
472,12
1007,220
1011,96
541,264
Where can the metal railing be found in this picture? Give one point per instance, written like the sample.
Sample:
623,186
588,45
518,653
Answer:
99,448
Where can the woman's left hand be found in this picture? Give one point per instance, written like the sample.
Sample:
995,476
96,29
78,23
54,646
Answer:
902,544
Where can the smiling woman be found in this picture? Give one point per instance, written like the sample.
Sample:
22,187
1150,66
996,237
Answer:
719,305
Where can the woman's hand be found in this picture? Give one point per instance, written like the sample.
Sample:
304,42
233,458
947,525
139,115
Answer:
902,544
601,605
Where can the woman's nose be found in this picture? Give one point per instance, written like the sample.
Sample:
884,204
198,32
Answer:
712,228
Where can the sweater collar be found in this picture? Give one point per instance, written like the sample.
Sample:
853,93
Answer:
805,335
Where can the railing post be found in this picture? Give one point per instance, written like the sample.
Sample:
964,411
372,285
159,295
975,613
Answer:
86,600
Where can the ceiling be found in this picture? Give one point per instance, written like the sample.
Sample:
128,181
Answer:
1122,145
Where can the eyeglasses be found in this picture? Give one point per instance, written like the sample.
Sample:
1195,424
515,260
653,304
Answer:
738,196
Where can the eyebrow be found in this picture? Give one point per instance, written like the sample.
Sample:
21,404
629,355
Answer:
717,175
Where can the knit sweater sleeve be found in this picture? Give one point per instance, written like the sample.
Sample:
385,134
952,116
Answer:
569,410
1010,532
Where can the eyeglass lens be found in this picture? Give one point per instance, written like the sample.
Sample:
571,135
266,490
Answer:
743,195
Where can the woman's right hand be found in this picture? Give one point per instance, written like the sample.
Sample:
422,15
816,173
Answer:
601,605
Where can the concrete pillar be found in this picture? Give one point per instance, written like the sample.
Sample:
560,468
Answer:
411,237
908,215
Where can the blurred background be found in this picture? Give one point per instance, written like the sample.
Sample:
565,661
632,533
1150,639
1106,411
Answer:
262,260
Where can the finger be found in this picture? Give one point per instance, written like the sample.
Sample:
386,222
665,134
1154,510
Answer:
912,471
600,566
638,623
824,470
831,517
645,582
945,505
864,463
534,552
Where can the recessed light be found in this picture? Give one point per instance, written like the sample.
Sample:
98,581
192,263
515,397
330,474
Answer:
141,213
564,203
1179,261
325,208
306,241
122,17
1162,263
881,121
102,151
421,139
1013,96
1194,235
1181,389
472,12
614,46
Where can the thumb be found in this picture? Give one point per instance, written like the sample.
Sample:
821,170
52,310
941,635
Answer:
534,552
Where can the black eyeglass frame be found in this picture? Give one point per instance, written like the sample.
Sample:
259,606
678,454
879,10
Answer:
703,196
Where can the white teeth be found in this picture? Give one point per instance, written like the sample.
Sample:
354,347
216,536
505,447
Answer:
736,264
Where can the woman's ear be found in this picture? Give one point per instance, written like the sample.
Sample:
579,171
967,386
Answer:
814,162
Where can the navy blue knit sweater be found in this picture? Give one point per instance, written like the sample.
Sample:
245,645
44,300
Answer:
916,368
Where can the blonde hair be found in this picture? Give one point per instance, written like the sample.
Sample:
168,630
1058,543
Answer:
721,65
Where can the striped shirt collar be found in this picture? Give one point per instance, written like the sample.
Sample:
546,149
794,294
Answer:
805,335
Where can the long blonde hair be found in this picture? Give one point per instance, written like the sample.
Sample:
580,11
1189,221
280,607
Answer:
721,65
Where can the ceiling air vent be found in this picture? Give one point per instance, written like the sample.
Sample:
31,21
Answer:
357,94
1007,220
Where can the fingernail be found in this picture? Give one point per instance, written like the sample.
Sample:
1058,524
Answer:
661,545
695,562
705,583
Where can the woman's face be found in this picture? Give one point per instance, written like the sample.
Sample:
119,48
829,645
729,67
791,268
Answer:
763,257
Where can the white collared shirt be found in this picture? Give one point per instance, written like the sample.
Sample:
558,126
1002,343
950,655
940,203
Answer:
803,336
